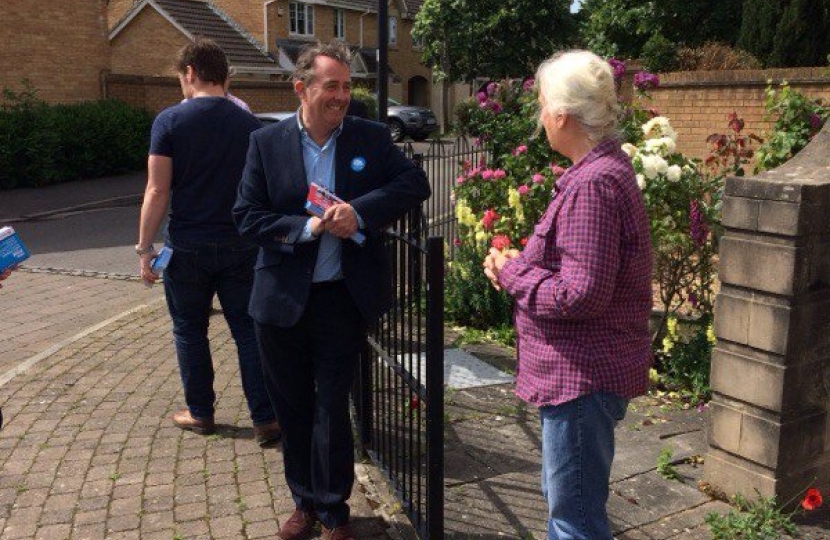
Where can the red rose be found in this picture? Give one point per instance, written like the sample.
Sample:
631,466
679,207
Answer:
812,499
523,241
500,242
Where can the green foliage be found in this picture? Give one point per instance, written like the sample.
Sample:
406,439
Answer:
761,519
622,27
797,119
368,97
665,466
464,39
712,56
659,54
786,33
43,144
685,358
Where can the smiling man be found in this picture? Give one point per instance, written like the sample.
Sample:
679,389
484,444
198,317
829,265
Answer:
315,290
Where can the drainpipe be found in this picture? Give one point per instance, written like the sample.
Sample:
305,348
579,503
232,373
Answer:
265,23
361,27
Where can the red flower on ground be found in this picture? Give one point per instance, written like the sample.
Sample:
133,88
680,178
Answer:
500,242
812,499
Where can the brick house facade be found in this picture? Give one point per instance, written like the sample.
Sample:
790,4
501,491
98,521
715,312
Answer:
60,47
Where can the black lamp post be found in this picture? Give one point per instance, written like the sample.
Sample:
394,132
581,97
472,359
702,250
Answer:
383,58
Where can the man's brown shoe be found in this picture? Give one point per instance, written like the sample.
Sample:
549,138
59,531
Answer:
184,420
268,435
297,527
341,532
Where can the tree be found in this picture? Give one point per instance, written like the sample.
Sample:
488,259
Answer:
786,33
464,39
623,27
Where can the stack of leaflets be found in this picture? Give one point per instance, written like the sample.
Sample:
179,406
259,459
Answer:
320,199
161,260
12,250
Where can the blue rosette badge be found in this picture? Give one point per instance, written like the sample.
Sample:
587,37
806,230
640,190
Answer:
358,163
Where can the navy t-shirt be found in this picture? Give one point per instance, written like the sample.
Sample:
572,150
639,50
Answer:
207,139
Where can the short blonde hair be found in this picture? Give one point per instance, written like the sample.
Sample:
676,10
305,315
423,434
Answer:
581,84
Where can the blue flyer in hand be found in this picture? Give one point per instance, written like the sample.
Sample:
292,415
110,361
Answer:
161,260
12,250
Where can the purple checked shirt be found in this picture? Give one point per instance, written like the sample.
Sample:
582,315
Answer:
582,286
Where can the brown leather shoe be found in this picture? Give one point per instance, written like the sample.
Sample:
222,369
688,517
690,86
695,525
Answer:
184,420
298,527
341,532
268,435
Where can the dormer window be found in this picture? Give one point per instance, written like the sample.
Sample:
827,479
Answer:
300,19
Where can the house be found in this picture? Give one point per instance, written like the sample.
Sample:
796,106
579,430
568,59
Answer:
60,47
263,38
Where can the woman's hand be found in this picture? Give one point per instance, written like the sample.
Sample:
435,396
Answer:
494,262
6,273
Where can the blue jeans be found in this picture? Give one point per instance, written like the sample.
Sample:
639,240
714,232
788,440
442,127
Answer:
577,451
196,272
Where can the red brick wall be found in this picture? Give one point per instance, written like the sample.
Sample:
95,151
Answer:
697,103
147,46
156,93
61,47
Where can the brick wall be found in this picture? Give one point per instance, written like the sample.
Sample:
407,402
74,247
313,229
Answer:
156,93
61,47
406,63
697,103
116,9
147,46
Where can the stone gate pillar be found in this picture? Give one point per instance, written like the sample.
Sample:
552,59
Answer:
769,427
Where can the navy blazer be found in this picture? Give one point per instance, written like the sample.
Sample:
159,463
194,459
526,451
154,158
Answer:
270,210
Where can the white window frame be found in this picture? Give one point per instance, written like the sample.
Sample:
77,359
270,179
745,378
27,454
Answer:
339,23
300,19
393,31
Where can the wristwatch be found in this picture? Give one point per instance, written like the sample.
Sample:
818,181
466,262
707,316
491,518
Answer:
143,251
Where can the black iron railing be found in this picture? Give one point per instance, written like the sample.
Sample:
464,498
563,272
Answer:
399,394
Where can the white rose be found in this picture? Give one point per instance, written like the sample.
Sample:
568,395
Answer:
641,181
629,149
650,166
661,164
673,173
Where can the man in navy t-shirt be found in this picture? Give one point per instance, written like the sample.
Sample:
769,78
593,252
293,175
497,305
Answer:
197,153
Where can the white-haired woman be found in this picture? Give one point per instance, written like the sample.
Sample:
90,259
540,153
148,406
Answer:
582,291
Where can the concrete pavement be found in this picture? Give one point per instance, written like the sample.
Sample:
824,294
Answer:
88,378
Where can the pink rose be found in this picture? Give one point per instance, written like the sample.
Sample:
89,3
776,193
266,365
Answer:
538,179
499,173
523,190
459,180
487,174
481,97
521,149
556,170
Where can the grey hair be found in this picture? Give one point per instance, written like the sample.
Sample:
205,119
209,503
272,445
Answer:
304,67
581,84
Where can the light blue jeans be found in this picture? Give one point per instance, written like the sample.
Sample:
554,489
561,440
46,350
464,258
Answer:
577,451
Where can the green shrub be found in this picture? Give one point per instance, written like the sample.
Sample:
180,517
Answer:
797,119
43,144
659,54
715,56
366,96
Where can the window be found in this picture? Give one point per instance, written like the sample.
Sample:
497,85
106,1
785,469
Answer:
393,31
416,43
300,19
339,27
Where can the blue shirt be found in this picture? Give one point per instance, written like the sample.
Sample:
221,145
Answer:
319,168
207,140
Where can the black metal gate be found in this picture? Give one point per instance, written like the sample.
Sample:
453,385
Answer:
399,390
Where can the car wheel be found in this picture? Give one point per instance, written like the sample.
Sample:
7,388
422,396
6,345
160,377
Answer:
396,130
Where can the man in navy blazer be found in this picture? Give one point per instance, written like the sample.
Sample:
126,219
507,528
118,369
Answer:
315,289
